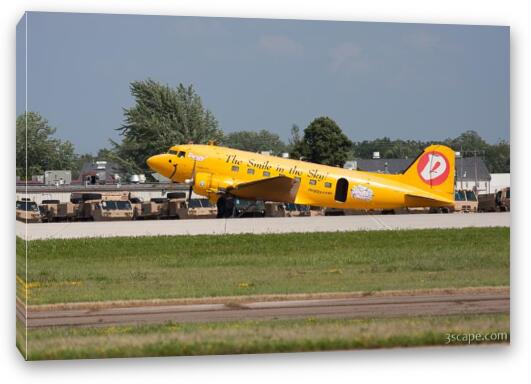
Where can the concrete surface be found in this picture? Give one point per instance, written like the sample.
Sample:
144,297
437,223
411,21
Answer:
259,225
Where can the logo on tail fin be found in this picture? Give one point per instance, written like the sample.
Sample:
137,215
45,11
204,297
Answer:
433,168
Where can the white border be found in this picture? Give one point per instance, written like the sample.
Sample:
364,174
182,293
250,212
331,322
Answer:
432,365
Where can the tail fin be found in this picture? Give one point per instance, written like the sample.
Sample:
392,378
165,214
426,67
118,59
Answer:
433,171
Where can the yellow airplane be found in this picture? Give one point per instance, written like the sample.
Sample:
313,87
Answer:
221,173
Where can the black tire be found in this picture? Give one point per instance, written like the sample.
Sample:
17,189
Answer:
220,204
229,207
176,195
225,207
90,196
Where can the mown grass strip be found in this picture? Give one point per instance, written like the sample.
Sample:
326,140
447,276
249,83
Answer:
259,336
203,266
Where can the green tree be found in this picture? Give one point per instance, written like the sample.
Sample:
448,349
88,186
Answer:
162,117
468,141
294,143
388,149
498,157
43,152
324,143
255,141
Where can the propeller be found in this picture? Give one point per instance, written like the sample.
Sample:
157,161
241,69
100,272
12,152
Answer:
192,181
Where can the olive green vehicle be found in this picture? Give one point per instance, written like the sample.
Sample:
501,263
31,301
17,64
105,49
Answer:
499,201
108,206
249,208
27,211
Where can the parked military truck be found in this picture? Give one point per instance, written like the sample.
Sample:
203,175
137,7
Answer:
249,208
173,206
147,210
297,210
27,211
465,201
56,211
493,202
105,206
274,209
201,208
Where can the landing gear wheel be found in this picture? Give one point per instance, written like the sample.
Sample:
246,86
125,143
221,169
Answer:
225,205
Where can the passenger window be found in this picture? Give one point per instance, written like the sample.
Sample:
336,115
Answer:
250,171
235,168
267,173
172,152
313,182
181,154
328,185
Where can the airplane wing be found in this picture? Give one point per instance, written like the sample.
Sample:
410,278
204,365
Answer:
279,188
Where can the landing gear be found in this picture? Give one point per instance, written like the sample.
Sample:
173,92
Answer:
225,205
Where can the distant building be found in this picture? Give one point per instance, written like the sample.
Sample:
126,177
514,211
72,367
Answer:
59,177
499,181
37,179
100,172
470,172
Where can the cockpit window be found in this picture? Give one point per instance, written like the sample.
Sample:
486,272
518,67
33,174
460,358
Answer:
181,154
172,152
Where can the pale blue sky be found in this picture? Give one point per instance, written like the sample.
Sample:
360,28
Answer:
410,81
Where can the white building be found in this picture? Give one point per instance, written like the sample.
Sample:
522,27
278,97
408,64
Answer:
499,181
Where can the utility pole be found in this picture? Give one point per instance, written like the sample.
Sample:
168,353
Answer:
476,184
461,165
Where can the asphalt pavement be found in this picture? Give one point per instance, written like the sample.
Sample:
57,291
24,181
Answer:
439,303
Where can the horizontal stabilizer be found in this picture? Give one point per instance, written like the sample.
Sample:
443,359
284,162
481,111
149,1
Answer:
423,201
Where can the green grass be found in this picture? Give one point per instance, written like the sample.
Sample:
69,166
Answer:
173,339
201,266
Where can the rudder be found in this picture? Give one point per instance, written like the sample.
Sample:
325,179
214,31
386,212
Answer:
434,171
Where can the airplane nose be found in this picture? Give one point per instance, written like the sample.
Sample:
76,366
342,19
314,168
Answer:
151,162
155,163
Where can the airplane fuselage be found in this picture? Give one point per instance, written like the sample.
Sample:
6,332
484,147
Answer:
214,170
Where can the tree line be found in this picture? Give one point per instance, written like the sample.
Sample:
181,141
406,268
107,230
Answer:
163,116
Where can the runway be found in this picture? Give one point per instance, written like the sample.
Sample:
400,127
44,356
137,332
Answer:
38,231
439,303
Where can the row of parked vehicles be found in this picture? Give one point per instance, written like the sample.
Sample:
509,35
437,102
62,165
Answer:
468,201
112,206
109,206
